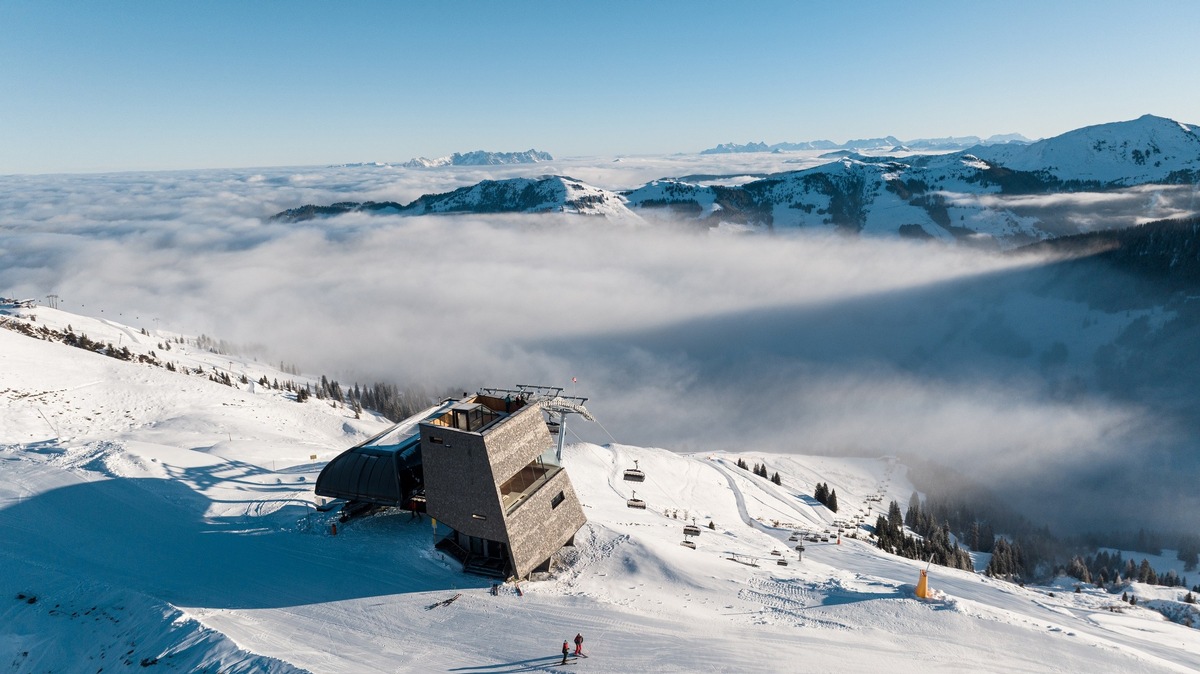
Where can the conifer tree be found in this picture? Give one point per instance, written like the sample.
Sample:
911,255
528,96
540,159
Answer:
895,519
914,511
1144,571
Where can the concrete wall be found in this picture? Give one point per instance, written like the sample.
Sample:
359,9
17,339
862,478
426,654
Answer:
536,530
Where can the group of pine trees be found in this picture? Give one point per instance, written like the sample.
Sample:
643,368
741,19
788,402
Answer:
976,515
82,341
935,544
388,400
1187,545
760,469
1008,561
1103,569
826,496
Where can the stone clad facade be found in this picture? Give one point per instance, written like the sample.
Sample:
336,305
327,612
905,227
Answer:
490,475
541,527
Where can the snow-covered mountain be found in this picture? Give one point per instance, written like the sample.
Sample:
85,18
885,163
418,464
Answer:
157,518
948,143
481,158
1004,194
855,144
547,194
1148,149
1007,194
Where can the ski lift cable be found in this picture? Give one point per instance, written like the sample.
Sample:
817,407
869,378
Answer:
648,478
610,435
603,459
591,447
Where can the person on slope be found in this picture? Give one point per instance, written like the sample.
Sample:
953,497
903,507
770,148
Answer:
566,650
578,644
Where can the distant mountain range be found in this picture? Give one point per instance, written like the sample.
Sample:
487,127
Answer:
1002,195
1007,194
475,158
886,143
481,158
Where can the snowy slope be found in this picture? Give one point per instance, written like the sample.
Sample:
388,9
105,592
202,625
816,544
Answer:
1148,149
160,516
545,194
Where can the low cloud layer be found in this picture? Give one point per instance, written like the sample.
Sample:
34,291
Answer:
684,340
1065,213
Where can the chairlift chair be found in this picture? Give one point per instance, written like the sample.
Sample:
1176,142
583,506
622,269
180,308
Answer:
636,502
688,544
691,530
634,474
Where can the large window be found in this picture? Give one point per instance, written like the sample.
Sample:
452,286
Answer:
527,480
467,417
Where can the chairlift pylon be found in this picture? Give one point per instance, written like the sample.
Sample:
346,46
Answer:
634,474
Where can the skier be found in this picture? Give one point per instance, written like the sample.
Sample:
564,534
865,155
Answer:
578,644
566,650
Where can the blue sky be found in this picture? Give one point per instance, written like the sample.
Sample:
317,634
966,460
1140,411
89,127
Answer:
159,85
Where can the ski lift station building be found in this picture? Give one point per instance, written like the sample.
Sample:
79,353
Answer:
484,466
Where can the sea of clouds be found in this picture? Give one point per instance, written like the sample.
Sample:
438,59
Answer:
681,338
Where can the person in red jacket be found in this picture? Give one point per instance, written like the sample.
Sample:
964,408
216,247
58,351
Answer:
578,644
566,649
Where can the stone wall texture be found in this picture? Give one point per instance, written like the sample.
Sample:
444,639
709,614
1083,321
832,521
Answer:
463,474
537,530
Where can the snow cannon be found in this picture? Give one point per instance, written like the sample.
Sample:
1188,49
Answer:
923,585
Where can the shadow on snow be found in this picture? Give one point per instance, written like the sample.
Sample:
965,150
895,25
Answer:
152,535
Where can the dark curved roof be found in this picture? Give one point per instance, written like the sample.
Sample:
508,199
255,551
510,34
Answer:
385,469
371,473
